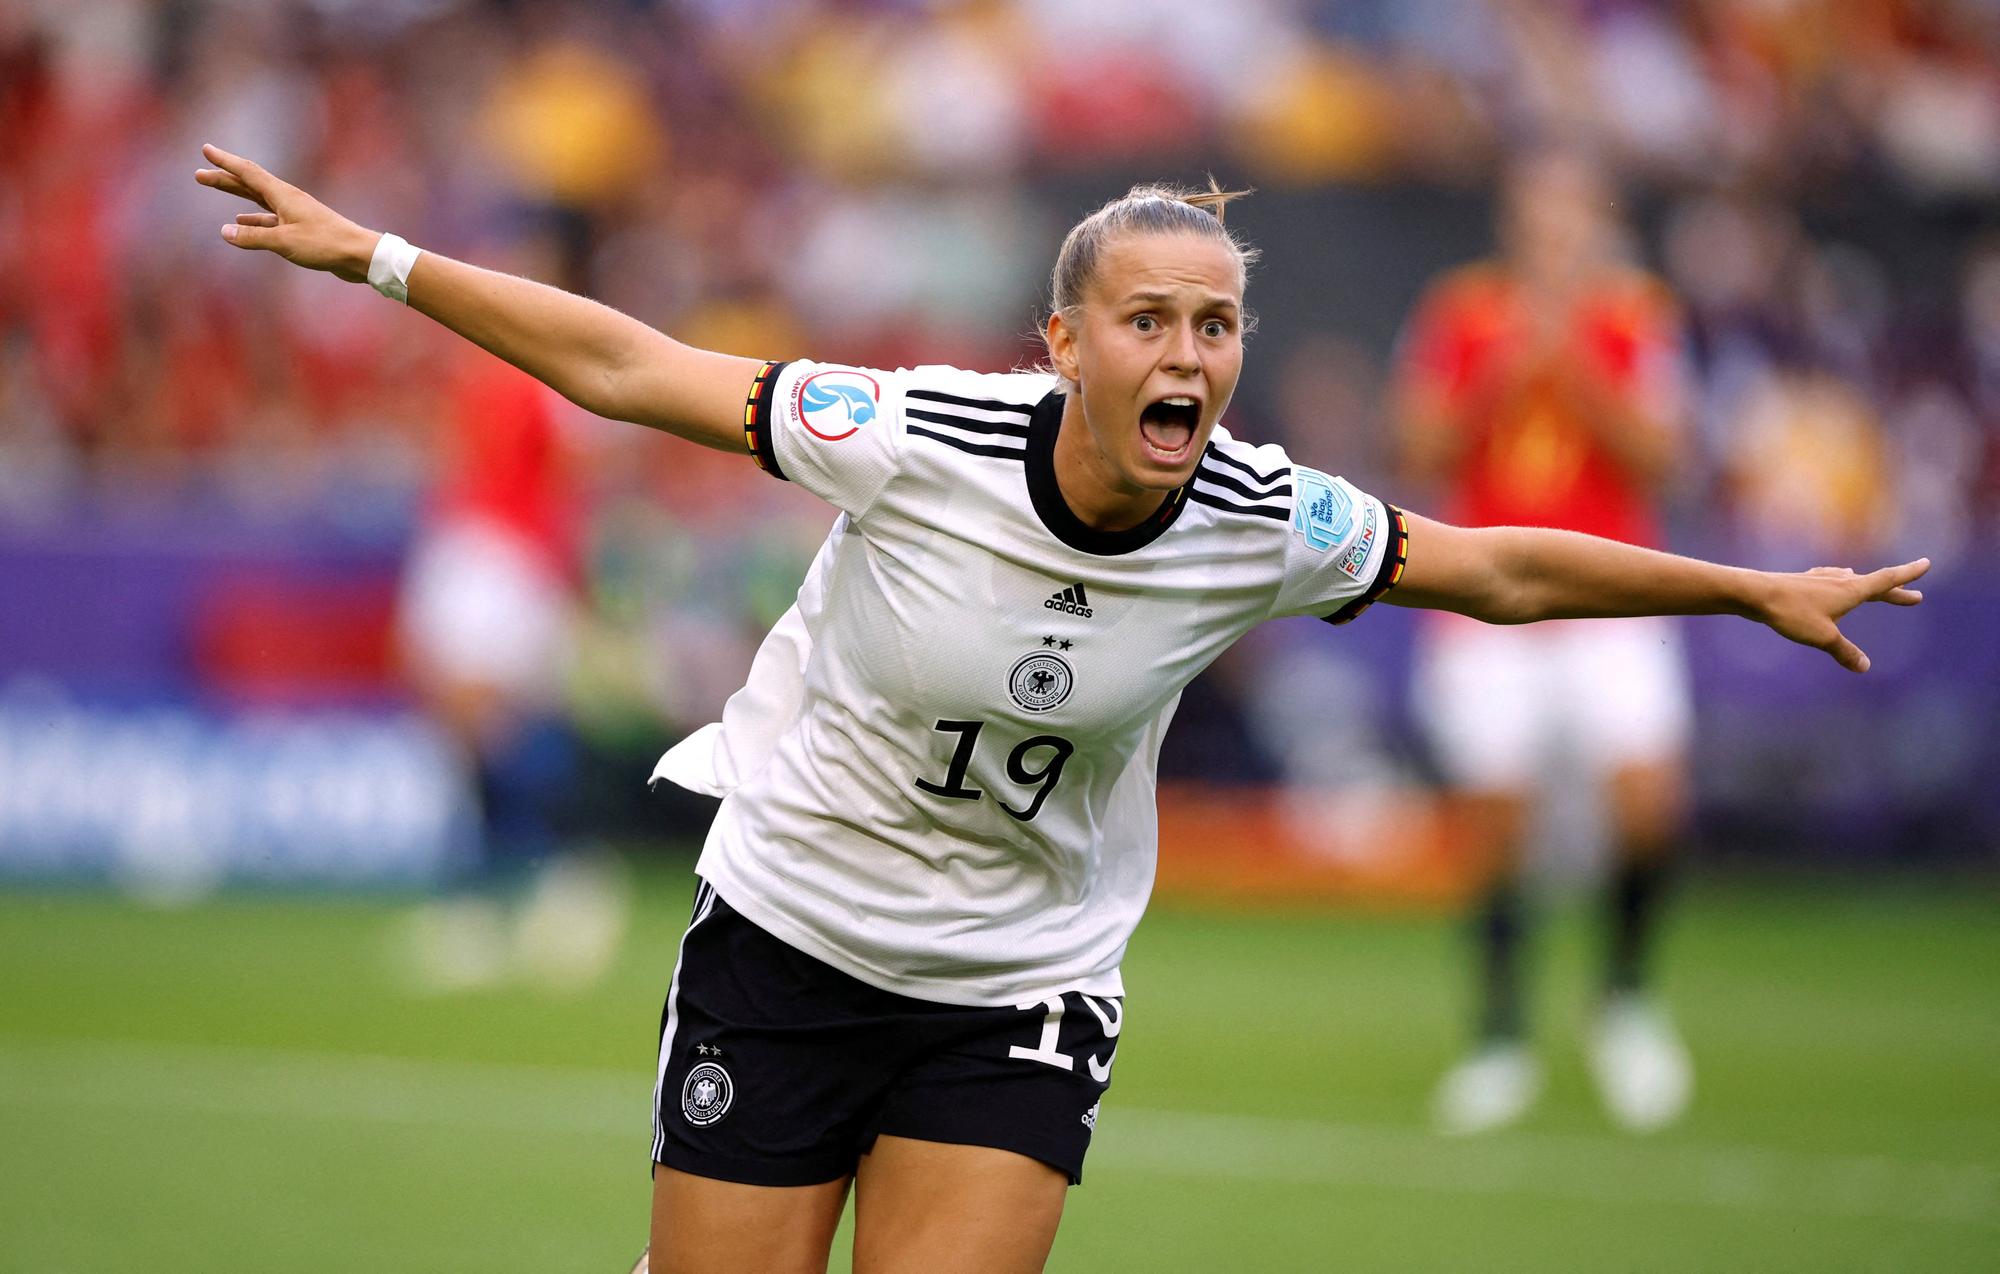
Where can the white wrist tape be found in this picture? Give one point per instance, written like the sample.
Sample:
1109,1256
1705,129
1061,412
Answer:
389,268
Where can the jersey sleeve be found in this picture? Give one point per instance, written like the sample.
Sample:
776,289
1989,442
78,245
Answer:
1343,549
1438,352
1655,371
834,430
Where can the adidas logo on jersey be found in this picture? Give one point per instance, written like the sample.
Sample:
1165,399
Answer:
1072,600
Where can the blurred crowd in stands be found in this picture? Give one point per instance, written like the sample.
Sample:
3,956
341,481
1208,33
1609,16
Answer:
874,181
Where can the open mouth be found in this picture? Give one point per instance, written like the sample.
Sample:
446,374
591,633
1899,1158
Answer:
1167,426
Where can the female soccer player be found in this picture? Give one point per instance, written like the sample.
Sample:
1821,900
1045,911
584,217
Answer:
902,971
1541,387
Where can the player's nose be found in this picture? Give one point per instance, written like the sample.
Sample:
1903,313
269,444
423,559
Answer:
1182,354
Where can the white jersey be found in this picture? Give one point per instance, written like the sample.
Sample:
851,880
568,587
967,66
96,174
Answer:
940,777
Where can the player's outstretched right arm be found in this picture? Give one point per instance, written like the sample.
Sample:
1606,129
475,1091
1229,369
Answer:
599,359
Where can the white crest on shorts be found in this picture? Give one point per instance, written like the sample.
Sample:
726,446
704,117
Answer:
706,1096
1090,1116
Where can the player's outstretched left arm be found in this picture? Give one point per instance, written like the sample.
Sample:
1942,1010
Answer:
1517,575
599,359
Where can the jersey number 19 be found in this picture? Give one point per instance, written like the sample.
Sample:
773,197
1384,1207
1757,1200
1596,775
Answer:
1043,779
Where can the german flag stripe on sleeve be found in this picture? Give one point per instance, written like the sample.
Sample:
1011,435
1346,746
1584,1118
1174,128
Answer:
1390,573
757,420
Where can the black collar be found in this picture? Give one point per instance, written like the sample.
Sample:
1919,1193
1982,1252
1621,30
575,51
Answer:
1055,512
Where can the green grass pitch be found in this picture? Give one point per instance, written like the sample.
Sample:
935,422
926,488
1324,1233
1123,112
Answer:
240,1085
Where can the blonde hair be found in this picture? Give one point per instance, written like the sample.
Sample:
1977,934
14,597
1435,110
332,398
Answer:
1155,208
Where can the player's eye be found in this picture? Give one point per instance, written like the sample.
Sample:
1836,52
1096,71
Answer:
1215,329
1146,323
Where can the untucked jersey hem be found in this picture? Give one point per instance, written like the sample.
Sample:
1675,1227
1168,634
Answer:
962,994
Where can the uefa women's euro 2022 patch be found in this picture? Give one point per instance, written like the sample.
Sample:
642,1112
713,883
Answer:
1322,512
835,403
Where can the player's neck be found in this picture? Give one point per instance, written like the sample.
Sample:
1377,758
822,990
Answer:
1095,492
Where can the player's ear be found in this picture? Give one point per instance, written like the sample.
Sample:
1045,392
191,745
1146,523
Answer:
1060,337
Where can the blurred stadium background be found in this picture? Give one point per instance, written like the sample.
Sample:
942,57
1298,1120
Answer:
219,795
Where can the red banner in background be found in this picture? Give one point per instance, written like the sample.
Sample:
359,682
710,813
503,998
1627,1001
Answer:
283,634
1398,846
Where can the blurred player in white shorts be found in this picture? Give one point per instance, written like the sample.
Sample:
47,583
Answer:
1503,707
1542,388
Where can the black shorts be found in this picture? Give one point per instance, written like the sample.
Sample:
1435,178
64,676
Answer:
779,1070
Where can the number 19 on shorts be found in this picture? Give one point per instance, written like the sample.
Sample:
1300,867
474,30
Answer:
1098,1053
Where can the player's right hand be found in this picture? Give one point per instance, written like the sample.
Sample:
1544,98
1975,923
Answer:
294,225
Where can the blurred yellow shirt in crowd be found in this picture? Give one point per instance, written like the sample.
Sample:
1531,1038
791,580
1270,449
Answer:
574,125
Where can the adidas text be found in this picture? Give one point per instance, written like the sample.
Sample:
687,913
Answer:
1072,600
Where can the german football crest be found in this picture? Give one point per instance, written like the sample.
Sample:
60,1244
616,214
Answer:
706,1096
1040,681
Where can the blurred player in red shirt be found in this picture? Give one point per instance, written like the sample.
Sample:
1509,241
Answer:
488,607
1543,388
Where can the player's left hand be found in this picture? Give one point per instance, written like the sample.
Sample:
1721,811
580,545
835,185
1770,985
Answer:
1807,607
